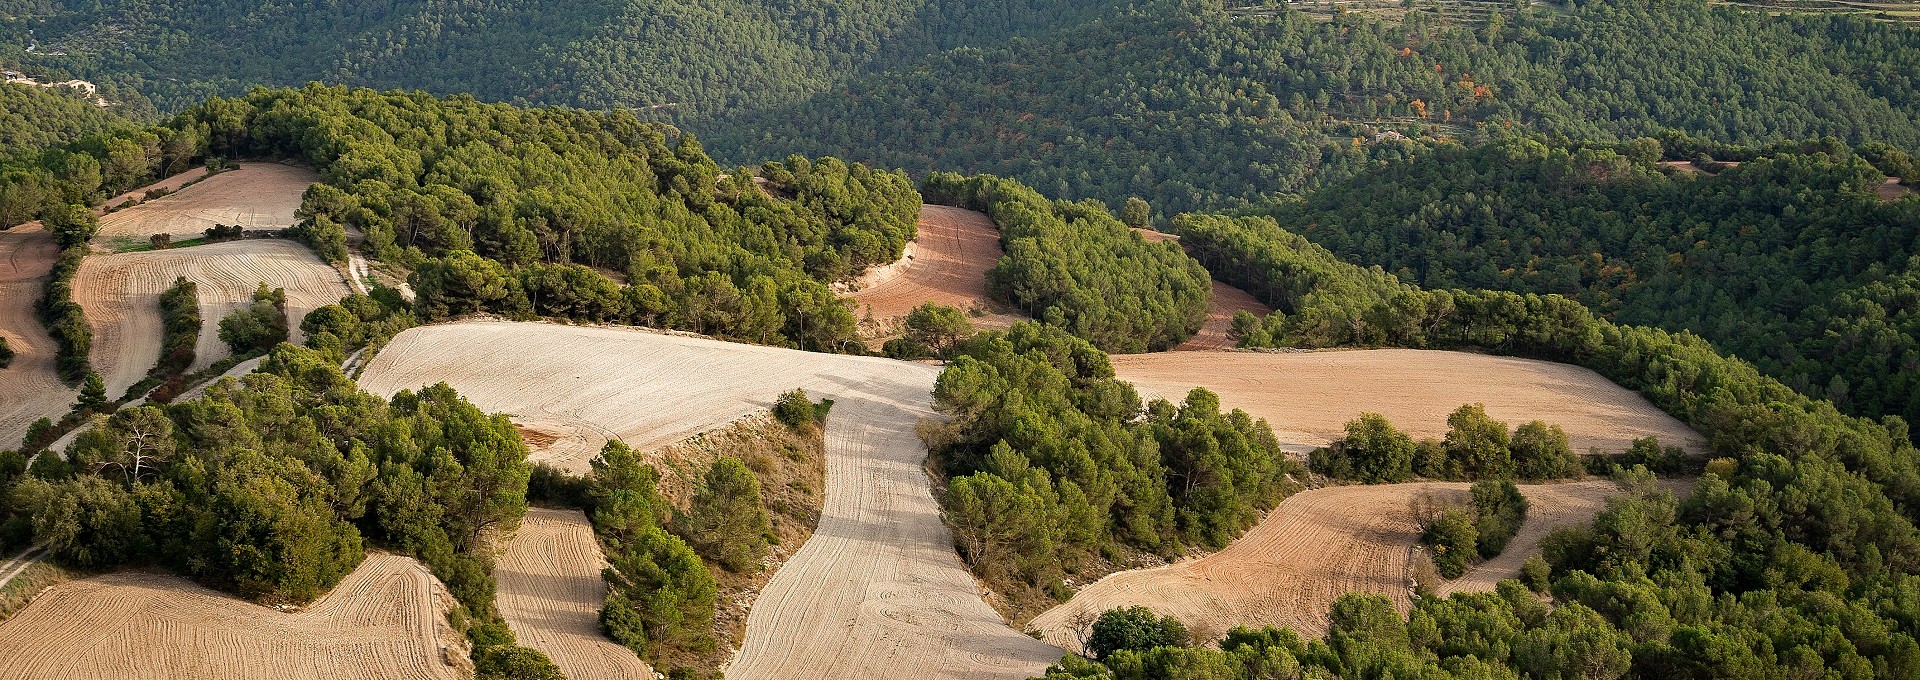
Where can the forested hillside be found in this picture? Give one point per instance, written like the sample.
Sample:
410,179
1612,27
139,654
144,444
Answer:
1192,107
34,118
674,57
1788,259
1177,100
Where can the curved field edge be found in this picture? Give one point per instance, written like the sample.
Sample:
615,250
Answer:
1314,547
878,591
385,620
1308,397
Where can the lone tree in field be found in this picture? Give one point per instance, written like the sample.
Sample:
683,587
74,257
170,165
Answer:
937,327
1136,629
726,522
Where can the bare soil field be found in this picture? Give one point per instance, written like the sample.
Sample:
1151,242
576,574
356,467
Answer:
1892,189
1308,397
385,620
1314,547
32,390
551,593
1152,236
877,592
946,264
120,294
1217,332
259,195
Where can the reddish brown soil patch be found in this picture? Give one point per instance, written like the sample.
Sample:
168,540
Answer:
947,264
1217,332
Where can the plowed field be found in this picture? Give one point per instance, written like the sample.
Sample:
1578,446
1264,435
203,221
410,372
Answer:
1308,397
946,264
32,391
385,620
259,195
120,294
1311,549
551,594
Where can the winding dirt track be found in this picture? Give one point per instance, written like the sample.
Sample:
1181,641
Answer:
121,295
946,264
385,620
1311,549
551,594
877,592
31,388
1308,397
259,195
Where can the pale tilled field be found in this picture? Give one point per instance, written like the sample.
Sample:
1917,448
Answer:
31,390
121,294
385,620
878,592
550,593
259,195
1308,397
1311,549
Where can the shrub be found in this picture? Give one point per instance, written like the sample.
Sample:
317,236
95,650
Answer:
258,326
660,595
1453,539
513,662
1537,574
799,412
937,327
1498,510
6,353
1134,629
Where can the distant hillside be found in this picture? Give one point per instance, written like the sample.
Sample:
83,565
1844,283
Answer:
1194,107
33,118
687,55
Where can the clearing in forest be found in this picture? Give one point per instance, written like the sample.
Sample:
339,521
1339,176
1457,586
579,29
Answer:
946,264
385,620
1309,397
1217,332
550,593
876,592
259,195
1314,547
120,294
32,389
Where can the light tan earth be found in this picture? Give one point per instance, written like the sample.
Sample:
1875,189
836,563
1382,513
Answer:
1217,332
385,620
259,195
946,264
550,593
1892,189
1309,397
121,296
877,592
1314,547
29,388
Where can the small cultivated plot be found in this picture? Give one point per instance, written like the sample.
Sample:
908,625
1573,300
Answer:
120,294
876,592
550,593
388,619
1217,332
1309,397
32,390
259,195
1314,547
946,264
